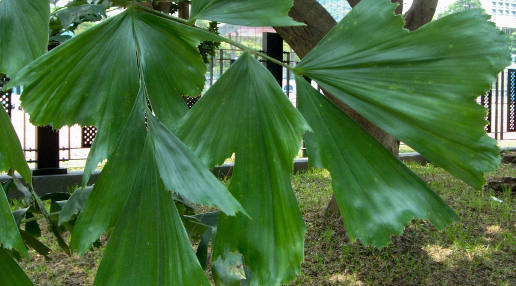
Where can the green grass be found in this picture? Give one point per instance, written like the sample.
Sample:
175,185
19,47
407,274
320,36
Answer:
479,250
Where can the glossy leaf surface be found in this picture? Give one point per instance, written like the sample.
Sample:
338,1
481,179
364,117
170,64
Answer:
9,235
185,174
177,166
246,112
157,251
11,274
419,86
11,154
374,204
11,157
113,185
24,32
93,78
245,12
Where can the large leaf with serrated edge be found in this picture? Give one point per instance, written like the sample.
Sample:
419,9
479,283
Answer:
419,86
11,157
11,154
185,174
181,171
149,245
374,204
113,184
24,30
246,112
9,236
245,12
12,274
57,91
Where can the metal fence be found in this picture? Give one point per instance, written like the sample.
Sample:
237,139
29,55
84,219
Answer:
500,102
223,59
75,141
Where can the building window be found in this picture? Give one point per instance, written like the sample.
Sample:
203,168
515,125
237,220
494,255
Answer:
494,11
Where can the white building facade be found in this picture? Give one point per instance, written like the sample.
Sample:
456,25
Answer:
503,12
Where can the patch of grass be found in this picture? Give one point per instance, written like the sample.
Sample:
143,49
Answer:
478,250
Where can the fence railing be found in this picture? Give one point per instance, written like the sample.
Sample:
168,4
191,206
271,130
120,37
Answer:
75,141
500,102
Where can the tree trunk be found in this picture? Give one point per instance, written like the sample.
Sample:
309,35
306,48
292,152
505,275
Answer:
420,13
318,23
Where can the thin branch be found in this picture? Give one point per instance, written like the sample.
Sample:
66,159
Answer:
26,220
255,52
222,39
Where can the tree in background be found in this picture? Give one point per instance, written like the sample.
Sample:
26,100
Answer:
460,6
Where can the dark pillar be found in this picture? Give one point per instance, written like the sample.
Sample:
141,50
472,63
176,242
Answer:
47,163
184,10
273,47
47,146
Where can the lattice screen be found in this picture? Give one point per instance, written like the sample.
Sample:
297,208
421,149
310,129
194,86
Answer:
5,96
88,135
485,101
511,100
190,101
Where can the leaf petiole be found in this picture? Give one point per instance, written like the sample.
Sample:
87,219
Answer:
222,39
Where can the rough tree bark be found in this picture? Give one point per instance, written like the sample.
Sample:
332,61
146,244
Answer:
318,22
420,13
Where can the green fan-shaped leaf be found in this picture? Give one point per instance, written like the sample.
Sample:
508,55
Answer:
418,86
112,188
24,30
74,204
57,91
12,274
11,157
374,204
245,12
246,112
181,171
9,236
34,243
149,245
11,154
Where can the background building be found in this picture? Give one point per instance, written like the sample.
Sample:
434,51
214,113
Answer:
503,13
